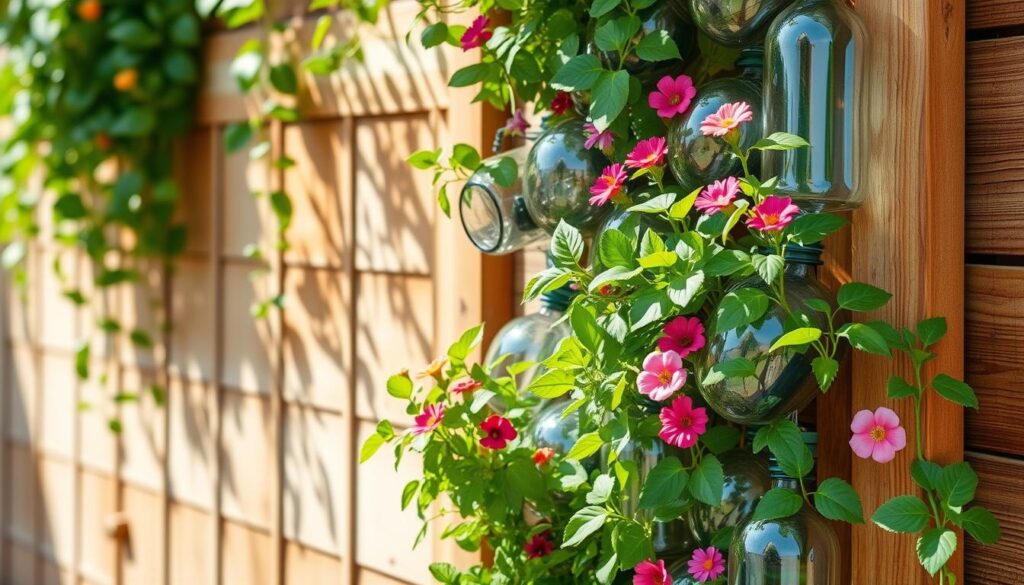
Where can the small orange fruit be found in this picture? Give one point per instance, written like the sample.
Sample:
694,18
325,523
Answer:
126,79
90,10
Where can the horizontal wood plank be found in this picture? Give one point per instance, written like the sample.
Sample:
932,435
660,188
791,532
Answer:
999,489
994,13
995,146
995,343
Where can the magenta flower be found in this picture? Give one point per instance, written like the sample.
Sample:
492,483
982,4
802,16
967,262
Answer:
648,573
673,96
608,185
877,435
718,196
706,564
517,124
477,34
663,375
561,102
684,335
682,424
647,153
727,118
499,431
773,214
539,546
429,420
603,140
466,386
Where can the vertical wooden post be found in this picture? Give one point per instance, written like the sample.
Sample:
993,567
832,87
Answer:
909,239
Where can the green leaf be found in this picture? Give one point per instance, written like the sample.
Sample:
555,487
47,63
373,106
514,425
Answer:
981,525
657,45
70,206
134,34
434,35
370,446
814,227
180,67
707,481
740,307
780,141
601,7
237,135
283,78
465,155
631,543
552,384
578,74
599,494
825,371
957,484
658,260
899,388
526,480
613,274
585,327
934,549
547,280
768,267
82,353
931,330
801,336
617,249
658,204
837,500
864,338
925,473
323,26
609,97
584,523
733,368
140,338
777,503
566,246
858,296
470,75
664,484
184,30
400,386
615,34
504,170
444,573
469,339
134,122
648,307
720,439
683,289
281,203
585,446
245,69
955,391
786,442
904,514
424,159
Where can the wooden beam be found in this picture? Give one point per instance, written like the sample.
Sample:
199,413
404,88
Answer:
908,238
994,13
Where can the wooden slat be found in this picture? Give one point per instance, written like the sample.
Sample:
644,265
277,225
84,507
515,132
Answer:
999,489
908,239
994,13
995,146
995,344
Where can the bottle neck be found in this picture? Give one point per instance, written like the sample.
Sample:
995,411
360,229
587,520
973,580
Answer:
799,269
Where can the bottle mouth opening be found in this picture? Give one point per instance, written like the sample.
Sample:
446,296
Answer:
480,213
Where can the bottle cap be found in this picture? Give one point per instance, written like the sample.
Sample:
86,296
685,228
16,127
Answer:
799,253
751,57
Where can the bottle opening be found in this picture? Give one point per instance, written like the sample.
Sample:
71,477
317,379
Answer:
481,217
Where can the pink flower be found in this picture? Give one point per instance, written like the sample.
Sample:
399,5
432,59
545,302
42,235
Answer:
499,432
681,423
663,375
466,386
648,573
603,140
517,124
561,102
673,96
877,435
773,214
539,546
648,153
608,185
718,196
543,455
684,335
706,564
429,420
477,34
727,118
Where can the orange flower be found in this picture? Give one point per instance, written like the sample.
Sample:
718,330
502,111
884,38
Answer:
434,370
126,79
90,10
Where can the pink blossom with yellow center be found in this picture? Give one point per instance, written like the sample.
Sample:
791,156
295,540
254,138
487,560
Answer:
647,153
663,375
682,424
718,196
773,214
673,96
684,335
706,564
877,435
428,420
650,573
726,119
608,185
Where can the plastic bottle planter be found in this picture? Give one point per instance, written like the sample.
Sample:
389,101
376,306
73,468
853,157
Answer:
795,550
495,217
814,61
783,382
735,23
746,480
670,539
558,176
696,159
660,16
551,430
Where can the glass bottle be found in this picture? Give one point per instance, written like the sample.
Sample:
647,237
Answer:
814,61
746,478
783,382
659,16
679,570
559,173
696,159
495,217
736,23
801,549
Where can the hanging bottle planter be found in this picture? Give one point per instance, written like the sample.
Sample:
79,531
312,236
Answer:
814,61
696,159
740,23
494,217
746,479
782,382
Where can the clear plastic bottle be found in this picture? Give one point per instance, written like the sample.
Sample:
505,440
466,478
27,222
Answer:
495,217
735,23
814,67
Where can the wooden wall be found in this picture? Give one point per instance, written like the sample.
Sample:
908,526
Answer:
995,277
249,475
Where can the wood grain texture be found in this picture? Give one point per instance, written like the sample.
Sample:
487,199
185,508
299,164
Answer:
995,146
994,13
995,343
908,239
999,490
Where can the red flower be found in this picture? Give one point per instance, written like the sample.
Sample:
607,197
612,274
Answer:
683,335
477,34
543,455
499,431
466,386
539,546
561,103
